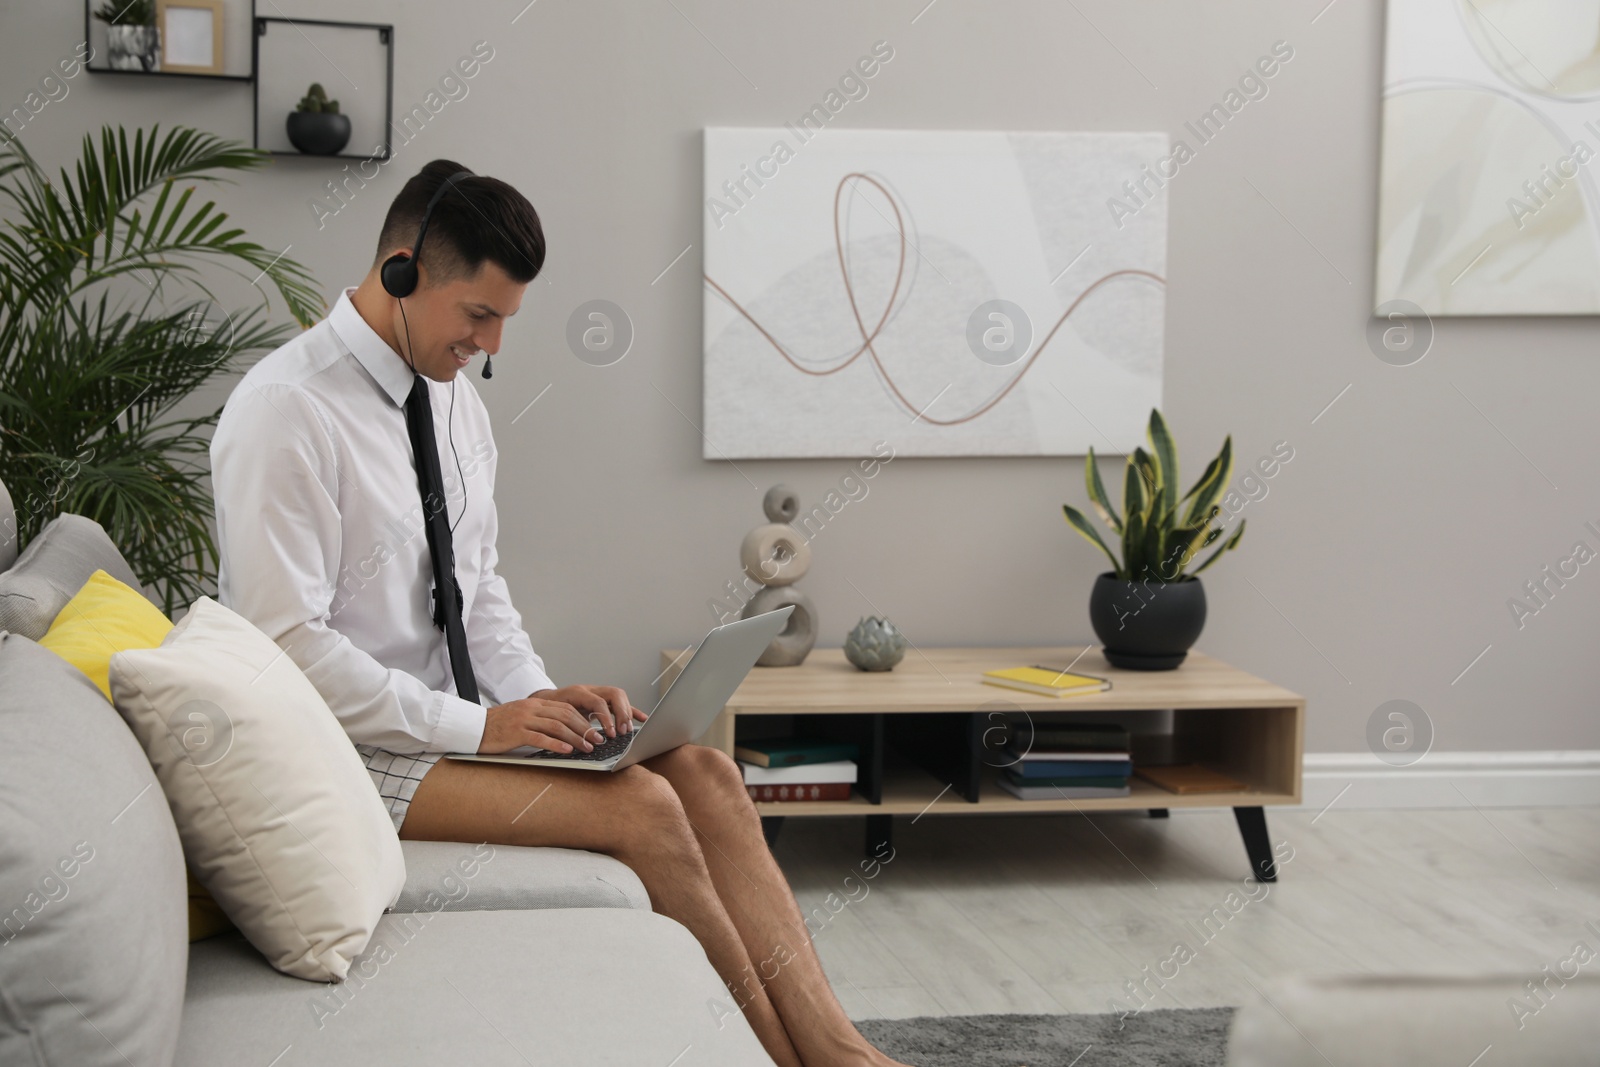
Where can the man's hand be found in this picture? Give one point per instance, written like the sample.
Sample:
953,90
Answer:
606,703
558,719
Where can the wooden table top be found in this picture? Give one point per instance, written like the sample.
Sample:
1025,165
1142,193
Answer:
947,679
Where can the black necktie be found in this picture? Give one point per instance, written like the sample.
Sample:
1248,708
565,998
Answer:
436,521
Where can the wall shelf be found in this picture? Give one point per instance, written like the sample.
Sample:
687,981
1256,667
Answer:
353,61
237,18
241,78
280,58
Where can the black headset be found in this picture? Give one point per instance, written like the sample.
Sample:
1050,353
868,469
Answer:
399,272
399,277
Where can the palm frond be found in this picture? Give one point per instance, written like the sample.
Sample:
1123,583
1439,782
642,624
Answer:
93,369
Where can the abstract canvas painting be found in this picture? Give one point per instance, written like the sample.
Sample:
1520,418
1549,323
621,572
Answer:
1487,202
955,293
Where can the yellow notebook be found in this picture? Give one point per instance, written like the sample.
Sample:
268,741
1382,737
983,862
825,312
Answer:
1046,681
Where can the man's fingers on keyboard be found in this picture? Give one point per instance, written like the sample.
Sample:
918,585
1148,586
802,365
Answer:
569,728
578,723
615,721
546,742
586,709
616,709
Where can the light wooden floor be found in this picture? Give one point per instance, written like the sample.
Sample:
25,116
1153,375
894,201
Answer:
1054,913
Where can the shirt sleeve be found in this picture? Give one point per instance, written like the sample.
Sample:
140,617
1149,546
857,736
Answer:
502,653
274,462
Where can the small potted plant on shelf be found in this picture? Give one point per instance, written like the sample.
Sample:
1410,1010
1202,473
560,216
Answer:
132,40
315,125
1149,609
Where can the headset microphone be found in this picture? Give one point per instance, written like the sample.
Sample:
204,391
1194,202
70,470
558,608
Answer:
488,366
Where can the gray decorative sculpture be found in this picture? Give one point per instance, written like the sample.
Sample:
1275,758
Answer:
875,645
781,504
777,556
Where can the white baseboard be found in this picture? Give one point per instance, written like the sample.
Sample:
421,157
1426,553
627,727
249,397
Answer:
1453,780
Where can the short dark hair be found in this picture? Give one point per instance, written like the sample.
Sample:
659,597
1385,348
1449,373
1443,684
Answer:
477,219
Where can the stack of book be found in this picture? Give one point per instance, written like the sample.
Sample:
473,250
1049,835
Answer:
1050,762
797,769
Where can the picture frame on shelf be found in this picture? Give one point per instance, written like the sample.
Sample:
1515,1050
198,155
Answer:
191,35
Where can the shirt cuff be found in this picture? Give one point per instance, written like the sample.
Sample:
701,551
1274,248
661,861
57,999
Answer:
460,726
522,682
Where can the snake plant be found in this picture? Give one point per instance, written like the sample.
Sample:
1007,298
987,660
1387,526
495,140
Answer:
1161,532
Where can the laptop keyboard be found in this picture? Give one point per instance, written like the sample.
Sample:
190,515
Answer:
611,746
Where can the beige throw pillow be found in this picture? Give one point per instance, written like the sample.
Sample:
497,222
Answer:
277,815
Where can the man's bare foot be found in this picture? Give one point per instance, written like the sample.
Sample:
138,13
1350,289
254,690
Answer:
866,1056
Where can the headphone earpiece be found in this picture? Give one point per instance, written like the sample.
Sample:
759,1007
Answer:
399,272
399,275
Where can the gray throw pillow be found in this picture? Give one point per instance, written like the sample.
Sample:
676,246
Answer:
93,913
52,569
8,528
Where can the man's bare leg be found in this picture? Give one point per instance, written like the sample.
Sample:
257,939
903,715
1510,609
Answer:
758,899
632,815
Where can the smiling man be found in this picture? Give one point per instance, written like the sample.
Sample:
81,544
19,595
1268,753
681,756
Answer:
354,474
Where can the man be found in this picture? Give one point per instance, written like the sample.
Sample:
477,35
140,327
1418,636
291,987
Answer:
321,529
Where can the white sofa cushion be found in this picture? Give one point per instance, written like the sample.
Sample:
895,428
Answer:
278,817
620,988
483,877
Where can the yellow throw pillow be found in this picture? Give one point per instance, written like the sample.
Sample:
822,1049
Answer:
105,617
206,917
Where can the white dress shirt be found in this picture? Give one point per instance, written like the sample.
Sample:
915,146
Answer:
320,532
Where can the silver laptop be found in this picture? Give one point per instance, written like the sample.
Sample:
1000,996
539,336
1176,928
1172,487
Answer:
685,711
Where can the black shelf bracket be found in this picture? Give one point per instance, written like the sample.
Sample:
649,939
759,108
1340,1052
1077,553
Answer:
385,32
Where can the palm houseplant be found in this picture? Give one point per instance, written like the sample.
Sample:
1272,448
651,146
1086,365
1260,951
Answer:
108,325
1150,608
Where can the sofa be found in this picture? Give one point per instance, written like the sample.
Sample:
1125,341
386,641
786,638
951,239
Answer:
1545,1017
491,955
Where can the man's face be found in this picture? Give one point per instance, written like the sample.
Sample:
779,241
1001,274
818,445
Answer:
450,321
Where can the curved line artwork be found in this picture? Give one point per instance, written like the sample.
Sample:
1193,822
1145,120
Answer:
869,337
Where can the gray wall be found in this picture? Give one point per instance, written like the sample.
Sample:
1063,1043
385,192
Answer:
1378,566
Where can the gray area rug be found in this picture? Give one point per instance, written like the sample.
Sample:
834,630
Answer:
1169,1038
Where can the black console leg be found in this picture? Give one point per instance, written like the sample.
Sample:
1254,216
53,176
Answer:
1159,813
770,825
880,832
1253,828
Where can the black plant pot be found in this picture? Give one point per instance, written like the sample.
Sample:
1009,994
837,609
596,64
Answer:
319,133
1146,626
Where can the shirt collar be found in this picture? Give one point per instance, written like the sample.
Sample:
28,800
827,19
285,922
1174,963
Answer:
381,361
